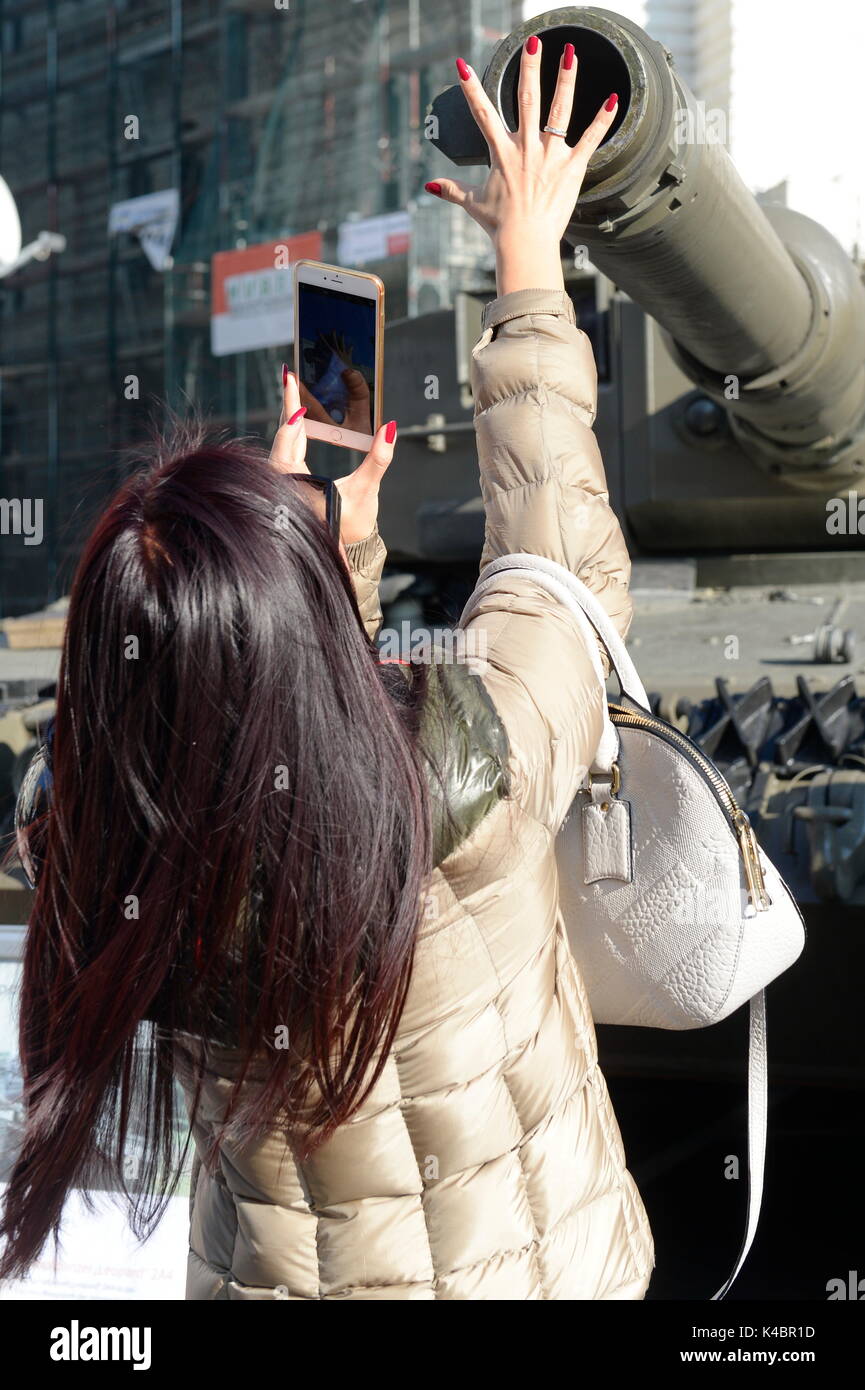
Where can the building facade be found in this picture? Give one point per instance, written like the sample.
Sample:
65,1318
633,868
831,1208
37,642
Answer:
270,119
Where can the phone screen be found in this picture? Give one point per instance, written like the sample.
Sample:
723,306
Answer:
337,355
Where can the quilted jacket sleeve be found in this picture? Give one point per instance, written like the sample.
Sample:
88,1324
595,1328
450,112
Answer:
545,493
366,561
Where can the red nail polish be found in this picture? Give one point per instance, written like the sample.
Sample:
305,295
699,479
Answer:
296,416
532,45
611,101
435,188
390,431
463,70
568,61
285,373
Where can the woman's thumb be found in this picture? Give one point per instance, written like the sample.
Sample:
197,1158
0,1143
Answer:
371,471
449,190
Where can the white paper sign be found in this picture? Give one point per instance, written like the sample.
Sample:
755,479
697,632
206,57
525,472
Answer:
153,219
373,238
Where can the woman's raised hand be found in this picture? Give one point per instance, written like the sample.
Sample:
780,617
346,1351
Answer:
535,177
358,491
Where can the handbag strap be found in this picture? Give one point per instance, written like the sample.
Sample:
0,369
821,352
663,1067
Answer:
758,1108
577,594
607,750
592,619
593,622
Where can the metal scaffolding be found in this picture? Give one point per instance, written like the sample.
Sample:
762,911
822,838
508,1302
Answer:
270,122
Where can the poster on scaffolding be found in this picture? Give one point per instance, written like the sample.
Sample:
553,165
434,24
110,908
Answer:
153,219
252,293
373,238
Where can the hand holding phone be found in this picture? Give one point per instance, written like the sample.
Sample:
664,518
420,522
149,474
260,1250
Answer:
358,490
338,347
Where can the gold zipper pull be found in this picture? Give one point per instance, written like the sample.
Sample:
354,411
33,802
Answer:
751,859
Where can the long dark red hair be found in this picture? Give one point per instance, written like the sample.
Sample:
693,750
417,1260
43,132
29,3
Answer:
238,840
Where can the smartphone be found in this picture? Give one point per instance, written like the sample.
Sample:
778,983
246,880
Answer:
338,352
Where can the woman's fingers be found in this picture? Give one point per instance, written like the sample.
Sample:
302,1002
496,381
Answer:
451,191
563,97
529,93
594,134
486,116
378,460
290,394
366,478
359,490
288,453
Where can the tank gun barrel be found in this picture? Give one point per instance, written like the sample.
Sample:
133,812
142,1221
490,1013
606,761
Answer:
763,309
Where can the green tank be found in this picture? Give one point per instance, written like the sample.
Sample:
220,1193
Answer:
729,334
761,308
730,342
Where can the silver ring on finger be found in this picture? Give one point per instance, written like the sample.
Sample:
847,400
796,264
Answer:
553,130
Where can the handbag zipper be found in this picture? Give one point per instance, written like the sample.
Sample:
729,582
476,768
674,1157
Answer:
742,827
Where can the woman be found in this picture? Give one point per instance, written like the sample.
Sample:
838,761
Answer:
329,883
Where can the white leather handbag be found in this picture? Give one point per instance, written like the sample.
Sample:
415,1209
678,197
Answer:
675,914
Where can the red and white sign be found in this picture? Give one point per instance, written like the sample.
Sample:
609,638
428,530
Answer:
252,293
373,238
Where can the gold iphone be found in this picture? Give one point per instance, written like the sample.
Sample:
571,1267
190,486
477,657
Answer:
338,352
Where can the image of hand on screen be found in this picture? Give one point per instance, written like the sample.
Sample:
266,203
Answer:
333,389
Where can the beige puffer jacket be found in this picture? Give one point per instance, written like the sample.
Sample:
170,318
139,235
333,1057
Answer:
487,1162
